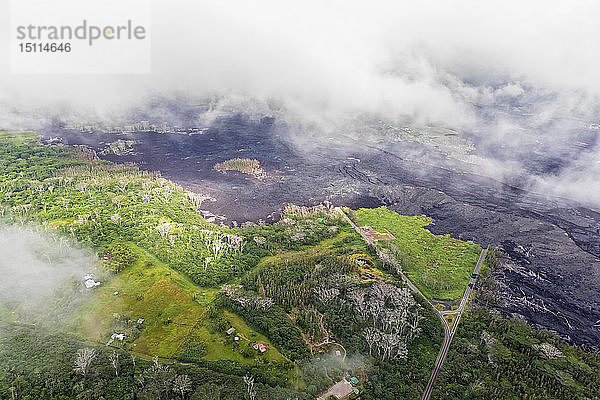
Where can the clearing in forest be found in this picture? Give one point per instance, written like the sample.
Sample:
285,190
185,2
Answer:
175,322
439,265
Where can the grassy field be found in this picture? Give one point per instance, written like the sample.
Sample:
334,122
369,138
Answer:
174,311
14,135
244,165
440,266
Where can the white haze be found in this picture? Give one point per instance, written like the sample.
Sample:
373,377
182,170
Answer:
42,275
324,62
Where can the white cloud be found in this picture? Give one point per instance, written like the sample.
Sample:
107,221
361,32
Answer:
428,62
510,90
390,57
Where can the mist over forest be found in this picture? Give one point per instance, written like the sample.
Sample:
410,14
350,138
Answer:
42,275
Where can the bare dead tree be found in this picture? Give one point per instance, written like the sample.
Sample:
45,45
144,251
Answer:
413,325
196,199
84,359
207,261
116,218
401,350
548,351
122,186
393,316
325,294
114,360
166,193
235,243
357,297
218,245
371,335
164,229
249,381
182,385
157,381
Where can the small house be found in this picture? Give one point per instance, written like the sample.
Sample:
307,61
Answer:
354,380
230,330
90,283
118,336
260,347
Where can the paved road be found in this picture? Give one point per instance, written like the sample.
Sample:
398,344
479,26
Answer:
448,333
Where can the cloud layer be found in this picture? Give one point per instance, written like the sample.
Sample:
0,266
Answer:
426,60
510,72
42,275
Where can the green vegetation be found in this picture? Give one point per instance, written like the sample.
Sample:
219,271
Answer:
39,365
439,265
310,278
494,357
101,204
324,290
245,165
308,288
178,322
139,222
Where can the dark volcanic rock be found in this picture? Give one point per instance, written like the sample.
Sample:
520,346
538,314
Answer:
552,275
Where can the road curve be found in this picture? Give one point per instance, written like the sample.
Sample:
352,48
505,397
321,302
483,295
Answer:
448,333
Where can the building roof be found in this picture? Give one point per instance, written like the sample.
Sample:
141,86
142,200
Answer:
90,283
340,390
